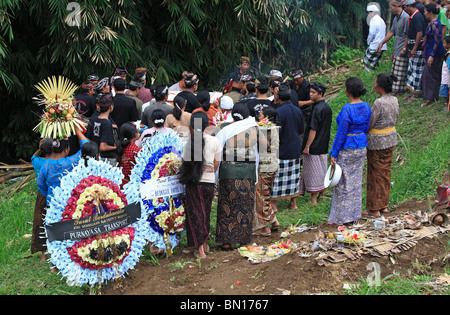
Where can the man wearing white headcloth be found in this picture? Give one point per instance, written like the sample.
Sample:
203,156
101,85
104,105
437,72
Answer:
377,32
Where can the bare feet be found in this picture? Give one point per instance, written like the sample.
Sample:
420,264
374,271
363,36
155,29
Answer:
293,204
373,213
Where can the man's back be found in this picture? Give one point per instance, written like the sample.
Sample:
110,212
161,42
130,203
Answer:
124,110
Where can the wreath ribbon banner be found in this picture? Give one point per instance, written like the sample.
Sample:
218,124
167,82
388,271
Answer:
154,188
100,223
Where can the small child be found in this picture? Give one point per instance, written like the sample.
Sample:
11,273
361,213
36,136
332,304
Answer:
127,150
444,91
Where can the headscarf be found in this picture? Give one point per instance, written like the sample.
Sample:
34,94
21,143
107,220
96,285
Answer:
319,87
102,84
120,71
105,100
297,74
191,80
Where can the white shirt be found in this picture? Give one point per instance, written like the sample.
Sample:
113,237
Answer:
377,32
445,73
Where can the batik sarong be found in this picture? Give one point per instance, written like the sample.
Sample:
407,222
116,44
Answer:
346,203
378,178
264,214
431,80
38,241
197,207
235,211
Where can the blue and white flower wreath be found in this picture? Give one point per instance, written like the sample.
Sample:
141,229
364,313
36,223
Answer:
164,147
130,248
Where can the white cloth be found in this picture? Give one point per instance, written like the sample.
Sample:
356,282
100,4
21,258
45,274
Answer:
445,73
175,87
234,129
377,32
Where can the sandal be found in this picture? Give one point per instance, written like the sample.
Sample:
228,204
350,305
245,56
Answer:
370,214
275,228
256,233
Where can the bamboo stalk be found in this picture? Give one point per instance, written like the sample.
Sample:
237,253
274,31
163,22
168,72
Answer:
17,166
21,185
10,175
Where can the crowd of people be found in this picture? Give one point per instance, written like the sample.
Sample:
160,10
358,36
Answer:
421,42
264,139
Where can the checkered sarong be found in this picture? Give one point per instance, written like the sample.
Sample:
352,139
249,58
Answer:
400,70
287,181
372,58
415,69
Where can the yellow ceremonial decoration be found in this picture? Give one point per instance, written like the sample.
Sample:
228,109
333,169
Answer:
60,118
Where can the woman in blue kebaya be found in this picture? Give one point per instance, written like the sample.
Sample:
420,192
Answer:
349,152
57,164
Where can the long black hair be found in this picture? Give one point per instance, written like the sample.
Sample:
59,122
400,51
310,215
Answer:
192,167
127,132
179,102
46,147
89,150
204,99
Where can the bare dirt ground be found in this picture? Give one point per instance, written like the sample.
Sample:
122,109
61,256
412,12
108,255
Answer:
228,273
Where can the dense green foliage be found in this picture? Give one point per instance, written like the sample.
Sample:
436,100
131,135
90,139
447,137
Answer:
44,37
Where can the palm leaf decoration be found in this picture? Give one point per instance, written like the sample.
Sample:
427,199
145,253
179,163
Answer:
54,90
60,118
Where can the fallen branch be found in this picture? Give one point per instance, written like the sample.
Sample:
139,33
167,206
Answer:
13,174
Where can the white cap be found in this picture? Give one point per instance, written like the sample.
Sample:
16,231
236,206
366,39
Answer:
276,73
372,8
226,102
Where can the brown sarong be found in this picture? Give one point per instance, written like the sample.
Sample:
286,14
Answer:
378,178
235,211
38,242
263,212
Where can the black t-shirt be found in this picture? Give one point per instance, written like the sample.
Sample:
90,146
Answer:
125,110
101,130
192,101
320,121
303,95
236,75
417,24
256,105
85,104
292,126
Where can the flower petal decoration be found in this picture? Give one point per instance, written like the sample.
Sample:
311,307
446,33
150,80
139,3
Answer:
85,192
159,158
